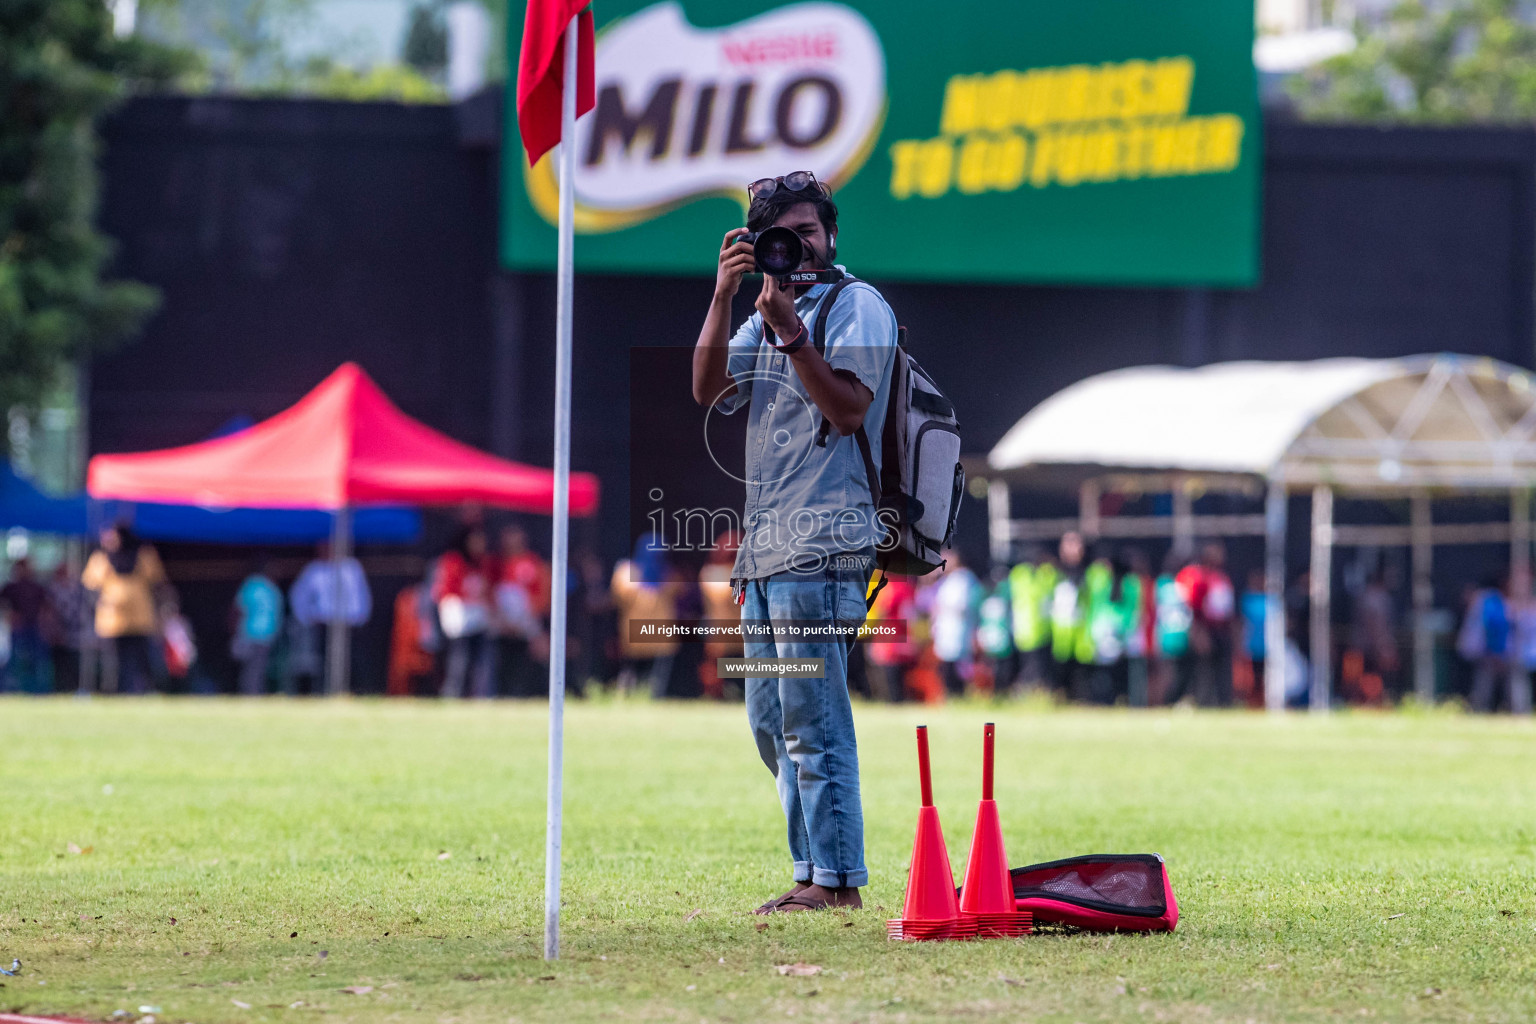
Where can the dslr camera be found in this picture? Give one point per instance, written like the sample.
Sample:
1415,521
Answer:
779,253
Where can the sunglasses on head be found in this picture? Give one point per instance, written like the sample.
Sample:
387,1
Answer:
794,181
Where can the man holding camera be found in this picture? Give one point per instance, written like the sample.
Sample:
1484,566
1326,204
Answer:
810,527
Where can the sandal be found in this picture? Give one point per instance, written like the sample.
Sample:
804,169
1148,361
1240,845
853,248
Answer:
773,904
826,899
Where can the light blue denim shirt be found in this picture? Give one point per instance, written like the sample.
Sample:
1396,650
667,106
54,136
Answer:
807,503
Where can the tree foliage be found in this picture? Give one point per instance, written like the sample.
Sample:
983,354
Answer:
61,67
400,83
1431,62
237,44
246,47
426,39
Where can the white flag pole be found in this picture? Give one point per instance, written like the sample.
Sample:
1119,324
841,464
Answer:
564,280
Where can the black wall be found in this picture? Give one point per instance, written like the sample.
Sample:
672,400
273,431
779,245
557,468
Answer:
1375,243
288,236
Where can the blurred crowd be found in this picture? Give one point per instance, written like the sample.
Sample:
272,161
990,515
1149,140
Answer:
1107,630
1101,631
1096,628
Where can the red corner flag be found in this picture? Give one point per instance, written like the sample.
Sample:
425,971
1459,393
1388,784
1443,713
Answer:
541,68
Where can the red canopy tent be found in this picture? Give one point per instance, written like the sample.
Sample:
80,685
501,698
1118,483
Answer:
342,445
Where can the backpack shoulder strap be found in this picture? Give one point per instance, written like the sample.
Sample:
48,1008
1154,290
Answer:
869,464
819,335
869,602
820,331
890,437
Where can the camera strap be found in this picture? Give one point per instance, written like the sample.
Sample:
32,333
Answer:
833,276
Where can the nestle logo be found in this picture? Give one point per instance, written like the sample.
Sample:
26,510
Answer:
781,49
683,112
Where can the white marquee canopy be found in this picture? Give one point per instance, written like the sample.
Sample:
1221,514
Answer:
1440,420
1389,428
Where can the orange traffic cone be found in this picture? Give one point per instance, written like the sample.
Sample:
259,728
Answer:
987,897
932,910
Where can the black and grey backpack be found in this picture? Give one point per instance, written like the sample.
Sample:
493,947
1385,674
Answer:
917,487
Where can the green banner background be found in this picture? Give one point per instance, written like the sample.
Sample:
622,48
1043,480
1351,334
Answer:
1188,228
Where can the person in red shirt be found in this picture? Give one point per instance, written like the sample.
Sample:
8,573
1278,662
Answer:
522,599
520,565
461,589
1213,605
889,662
410,644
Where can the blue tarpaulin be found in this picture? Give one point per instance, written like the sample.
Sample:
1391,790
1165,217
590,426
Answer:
24,506
384,525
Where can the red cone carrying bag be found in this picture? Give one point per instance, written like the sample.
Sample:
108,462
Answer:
1126,892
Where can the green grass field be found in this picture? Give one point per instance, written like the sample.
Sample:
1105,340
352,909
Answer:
249,861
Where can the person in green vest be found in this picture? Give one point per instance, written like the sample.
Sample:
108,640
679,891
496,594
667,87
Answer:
1100,641
1174,618
994,634
1066,614
1137,608
1030,585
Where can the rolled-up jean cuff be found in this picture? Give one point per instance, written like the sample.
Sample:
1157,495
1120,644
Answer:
840,879
802,871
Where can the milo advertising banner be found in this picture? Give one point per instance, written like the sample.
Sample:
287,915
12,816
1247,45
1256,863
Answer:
1097,141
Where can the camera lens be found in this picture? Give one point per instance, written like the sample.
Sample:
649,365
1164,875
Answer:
778,251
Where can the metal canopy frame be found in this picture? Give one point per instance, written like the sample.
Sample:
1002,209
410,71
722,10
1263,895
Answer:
1424,425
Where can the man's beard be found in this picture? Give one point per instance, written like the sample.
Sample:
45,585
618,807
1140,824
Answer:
813,261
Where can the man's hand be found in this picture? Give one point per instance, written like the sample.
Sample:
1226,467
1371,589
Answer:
839,394
711,356
735,260
777,304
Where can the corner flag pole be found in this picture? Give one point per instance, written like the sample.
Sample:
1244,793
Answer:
564,281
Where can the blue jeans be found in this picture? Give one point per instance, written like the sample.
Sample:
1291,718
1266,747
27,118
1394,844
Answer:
804,727
31,667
